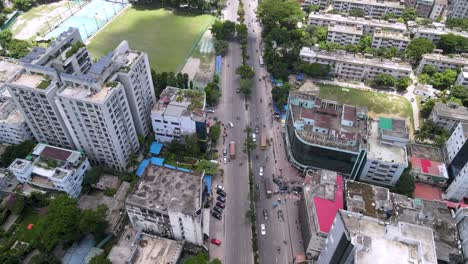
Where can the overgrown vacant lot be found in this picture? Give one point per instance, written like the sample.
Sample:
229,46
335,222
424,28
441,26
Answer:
168,38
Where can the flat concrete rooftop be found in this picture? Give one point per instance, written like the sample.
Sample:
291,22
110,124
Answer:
164,189
384,152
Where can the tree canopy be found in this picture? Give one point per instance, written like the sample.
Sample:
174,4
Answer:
457,22
383,80
357,12
223,30
451,43
418,47
279,14
460,92
280,94
16,151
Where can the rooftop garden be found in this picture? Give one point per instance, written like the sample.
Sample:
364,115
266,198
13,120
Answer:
44,84
196,98
74,48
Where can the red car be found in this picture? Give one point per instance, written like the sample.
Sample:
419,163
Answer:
216,241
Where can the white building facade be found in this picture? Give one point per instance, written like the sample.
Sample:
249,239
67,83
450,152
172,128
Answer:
372,8
354,67
442,62
52,168
462,78
344,35
383,39
13,127
458,9
448,115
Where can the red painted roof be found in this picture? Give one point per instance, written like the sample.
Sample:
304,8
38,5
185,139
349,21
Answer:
427,192
427,166
326,209
55,153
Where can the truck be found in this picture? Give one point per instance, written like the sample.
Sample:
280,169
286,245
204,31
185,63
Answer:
268,189
263,142
232,149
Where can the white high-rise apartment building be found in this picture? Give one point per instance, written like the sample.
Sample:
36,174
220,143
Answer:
13,127
33,91
374,8
457,156
458,9
52,168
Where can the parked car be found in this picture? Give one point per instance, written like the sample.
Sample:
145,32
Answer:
238,90
209,110
257,130
220,205
297,189
254,138
265,214
216,215
283,188
225,152
218,210
277,181
263,229
260,172
224,160
216,241
221,199
231,124
219,187
221,192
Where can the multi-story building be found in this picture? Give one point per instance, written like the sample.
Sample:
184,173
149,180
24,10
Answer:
457,157
424,7
391,208
435,31
33,90
324,134
98,115
13,127
323,197
360,239
463,77
354,66
179,112
443,62
137,247
458,9
344,35
168,202
386,152
388,39
461,218
438,9
448,115
368,25
321,3
135,76
374,8
428,165
52,168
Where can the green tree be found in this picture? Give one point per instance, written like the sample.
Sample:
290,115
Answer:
409,14
91,177
23,5
417,47
405,184
427,107
457,22
212,93
221,47
192,148
16,203
246,87
403,83
215,132
201,258
314,69
249,144
93,221
223,30
280,94
38,199
460,92
429,69
16,151
451,43
100,259
279,14
364,43
43,258
356,12
383,81
443,80
245,71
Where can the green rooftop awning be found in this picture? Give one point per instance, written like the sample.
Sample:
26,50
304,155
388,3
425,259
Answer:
385,123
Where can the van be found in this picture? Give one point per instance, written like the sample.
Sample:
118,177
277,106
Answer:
214,162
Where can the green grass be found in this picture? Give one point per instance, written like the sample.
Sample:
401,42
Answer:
377,103
167,38
29,216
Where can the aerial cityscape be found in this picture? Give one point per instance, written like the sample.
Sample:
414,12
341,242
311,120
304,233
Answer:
234,132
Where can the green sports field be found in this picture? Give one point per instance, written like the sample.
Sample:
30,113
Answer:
166,37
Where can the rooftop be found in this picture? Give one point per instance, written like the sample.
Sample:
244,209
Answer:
452,111
458,59
429,167
427,192
380,243
181,102
89,94
425,152
378,202
140,248
395,4
31,80
8,68
321,123
366,22
166,189
356,30
390,35
379,151
440,30
9,114
355,59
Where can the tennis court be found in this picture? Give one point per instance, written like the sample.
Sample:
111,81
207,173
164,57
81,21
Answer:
90,18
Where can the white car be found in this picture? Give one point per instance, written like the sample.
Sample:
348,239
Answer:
263,229
260,172
224,160
219,187
254,138
231,124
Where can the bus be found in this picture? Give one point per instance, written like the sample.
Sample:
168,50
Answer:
263,142
232,149
268,190
260,59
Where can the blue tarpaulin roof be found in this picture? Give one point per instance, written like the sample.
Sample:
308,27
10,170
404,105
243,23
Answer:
142,167
157,161
155,148
218,65
299,76
207,181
